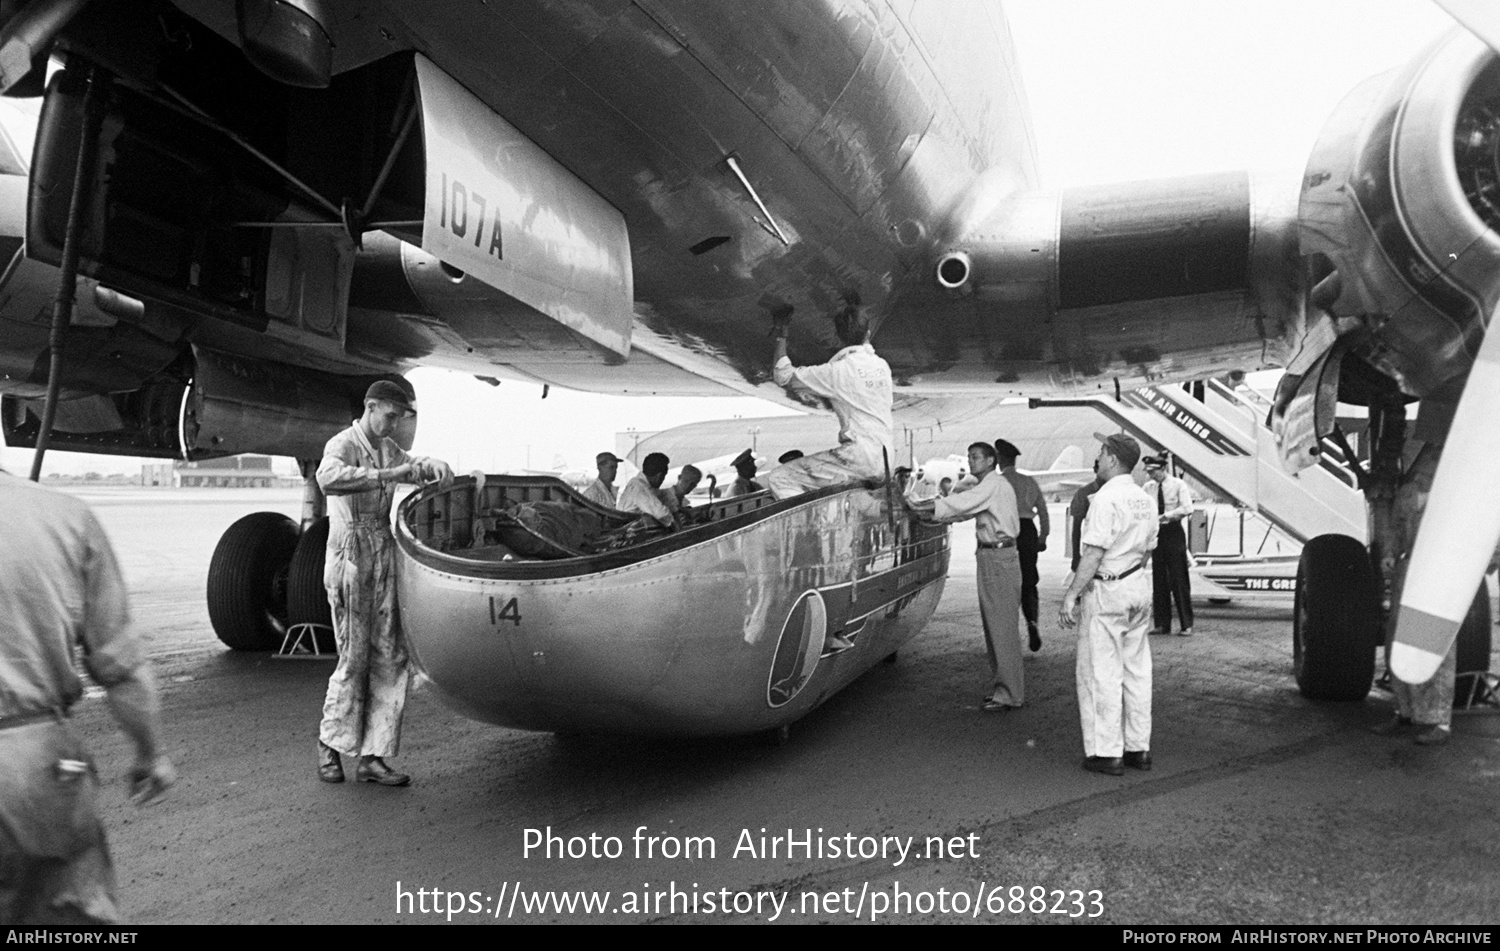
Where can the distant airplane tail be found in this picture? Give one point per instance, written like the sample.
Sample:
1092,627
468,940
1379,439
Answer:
1069,458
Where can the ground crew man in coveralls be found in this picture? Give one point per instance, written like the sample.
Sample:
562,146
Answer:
858,384
360,468
1114,654
61,599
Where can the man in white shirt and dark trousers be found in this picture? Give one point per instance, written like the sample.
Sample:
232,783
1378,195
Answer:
992,504
1113,671
1169,569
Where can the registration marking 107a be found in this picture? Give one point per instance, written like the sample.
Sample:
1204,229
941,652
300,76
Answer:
454,214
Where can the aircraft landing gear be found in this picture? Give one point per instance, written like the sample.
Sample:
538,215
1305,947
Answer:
247,581
308,612
267,575
1336,620
306,598
1344,593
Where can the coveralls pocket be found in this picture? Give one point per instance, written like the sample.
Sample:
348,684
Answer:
49,810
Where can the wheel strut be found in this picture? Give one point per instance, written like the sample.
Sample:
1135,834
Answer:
67,281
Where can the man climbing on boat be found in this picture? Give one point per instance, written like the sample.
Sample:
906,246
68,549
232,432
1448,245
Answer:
857,382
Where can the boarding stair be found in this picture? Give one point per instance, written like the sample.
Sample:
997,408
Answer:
1217,434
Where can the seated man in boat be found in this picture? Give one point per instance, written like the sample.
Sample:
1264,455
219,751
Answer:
857,383
602,490
640,493
744,468
674,496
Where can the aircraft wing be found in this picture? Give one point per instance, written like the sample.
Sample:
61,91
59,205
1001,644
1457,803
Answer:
622,206
279,202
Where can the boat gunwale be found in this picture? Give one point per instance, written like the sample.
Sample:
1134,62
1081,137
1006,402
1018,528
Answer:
594,564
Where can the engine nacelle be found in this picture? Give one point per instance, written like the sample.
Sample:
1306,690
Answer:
237,405
1140,270
1400,201
1114,244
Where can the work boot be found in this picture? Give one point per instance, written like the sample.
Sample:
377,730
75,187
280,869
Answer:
372,769
1138,759
1108,765
330,769
1034,641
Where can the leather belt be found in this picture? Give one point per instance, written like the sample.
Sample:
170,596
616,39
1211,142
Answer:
1107,576
26,719
1002,543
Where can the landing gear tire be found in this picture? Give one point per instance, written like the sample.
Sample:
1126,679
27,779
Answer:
306,598
1473,646
247,581
1336,620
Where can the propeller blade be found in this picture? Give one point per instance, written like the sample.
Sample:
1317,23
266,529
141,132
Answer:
1460,525
1480,17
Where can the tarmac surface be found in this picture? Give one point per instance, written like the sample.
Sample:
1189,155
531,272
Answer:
1262,808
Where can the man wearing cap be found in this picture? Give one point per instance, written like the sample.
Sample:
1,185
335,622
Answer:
857,383
1113,671
1033,538
366,694
639,495
744,467
992,504
1169,566
602,490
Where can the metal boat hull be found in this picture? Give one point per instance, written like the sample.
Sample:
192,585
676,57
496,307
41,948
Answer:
715,630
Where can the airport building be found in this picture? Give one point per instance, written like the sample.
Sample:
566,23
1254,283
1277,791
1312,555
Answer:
232,472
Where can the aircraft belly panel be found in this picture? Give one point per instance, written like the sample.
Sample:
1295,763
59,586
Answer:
645,106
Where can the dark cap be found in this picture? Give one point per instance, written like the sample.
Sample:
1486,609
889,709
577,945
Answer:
791,455
1006,449
746,458
1122,447
604,457
397,395
1155,462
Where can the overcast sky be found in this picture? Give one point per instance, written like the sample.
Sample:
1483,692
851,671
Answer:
1119,90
